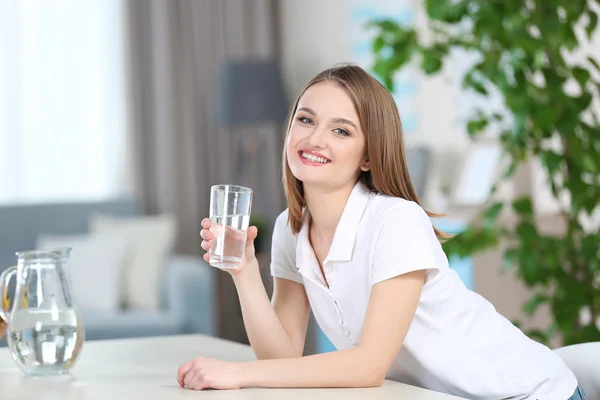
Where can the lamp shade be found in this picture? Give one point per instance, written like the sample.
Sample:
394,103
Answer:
251,91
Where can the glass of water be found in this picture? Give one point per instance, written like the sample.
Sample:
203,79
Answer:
230,207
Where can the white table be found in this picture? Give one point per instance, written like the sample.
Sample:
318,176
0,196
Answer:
146,368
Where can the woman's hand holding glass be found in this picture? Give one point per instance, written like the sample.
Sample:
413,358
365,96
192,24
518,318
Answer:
211,232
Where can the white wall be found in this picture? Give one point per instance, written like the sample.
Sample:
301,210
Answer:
313,38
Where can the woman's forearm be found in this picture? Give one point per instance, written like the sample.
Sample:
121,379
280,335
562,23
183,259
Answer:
345,368
265,332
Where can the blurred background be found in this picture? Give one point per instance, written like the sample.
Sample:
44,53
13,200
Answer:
117,116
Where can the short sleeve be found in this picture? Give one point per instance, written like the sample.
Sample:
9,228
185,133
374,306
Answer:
404,242
283,251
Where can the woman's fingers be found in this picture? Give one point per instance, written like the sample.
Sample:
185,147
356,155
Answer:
182,371
206,234
252,233
191,378
194,379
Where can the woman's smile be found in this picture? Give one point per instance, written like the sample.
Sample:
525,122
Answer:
313,158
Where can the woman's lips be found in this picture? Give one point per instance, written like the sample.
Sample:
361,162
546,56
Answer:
313,163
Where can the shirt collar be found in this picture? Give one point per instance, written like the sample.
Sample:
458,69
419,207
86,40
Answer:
344,239
305,258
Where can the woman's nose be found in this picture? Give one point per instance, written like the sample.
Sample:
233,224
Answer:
317,138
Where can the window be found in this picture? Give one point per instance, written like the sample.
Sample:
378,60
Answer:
62,100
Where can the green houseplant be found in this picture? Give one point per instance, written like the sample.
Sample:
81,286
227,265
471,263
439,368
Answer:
521,50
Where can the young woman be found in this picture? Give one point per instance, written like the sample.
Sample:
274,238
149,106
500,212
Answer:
356,248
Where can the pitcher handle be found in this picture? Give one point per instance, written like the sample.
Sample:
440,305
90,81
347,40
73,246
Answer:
4,280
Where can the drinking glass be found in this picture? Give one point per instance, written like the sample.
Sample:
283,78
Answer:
230,207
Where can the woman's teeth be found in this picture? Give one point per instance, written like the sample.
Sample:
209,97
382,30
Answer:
314,158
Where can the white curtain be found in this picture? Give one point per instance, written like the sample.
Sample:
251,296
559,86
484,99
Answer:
62,109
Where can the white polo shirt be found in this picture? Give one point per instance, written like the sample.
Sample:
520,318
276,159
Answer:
457,343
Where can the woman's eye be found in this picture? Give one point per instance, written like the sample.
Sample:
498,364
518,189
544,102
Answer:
305,120
341,131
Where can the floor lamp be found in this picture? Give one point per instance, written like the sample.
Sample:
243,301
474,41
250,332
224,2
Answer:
251,94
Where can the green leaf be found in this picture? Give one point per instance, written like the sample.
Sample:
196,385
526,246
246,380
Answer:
511,257
510,171
491,214
590,247
570,297
435,8
382,70
527,234
542,336
581,75
443,10
397,61
385,25
530,268
523,206
538,335
531,306
470,82
431,62
589,334
591,27
470,241
583,102
588,162
476,126
551,160
378,44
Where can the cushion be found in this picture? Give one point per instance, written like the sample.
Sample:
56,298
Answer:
95,266
150,241
584,361
129,323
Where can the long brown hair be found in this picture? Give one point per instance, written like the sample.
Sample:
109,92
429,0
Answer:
380,121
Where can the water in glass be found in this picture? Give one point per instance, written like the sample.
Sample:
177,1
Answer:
230,207
229,240
45,333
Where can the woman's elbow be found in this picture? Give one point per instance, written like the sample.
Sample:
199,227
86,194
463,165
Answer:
374,371
372,377
368,381
375,381
378,377
277,355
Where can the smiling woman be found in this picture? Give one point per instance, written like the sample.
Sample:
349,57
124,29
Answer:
357,249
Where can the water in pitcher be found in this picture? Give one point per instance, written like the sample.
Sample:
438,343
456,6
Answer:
229,240
45,342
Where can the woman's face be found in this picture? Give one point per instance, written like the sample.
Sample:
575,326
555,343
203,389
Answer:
325,146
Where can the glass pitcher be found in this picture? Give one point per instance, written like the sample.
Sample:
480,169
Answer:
44,333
